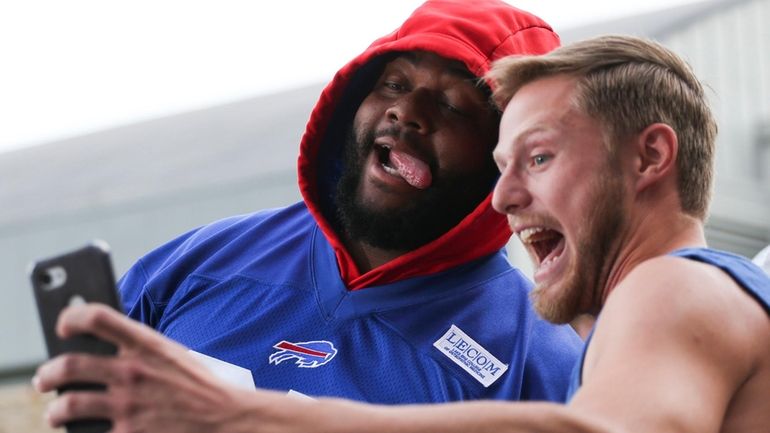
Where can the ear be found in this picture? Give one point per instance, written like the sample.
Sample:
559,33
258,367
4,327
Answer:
656,150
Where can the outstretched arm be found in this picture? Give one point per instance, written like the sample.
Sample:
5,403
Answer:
670,349
659,362
154,384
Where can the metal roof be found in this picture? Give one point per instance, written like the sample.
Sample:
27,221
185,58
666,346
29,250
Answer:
653,25
254,137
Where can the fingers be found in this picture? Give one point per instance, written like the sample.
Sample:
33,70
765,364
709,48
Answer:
99,320
78,368
79,405
110,325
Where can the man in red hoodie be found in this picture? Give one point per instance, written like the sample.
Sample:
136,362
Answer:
387,284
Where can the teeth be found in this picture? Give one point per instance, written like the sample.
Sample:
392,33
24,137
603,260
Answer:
549,260
526,234
390,170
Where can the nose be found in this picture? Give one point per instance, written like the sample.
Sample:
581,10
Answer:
510,194
413,110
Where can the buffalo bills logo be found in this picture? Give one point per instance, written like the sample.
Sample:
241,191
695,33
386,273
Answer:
308,354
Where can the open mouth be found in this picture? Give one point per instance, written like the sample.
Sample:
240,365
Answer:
546,245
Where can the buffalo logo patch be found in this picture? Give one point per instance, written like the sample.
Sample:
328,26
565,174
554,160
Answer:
306,354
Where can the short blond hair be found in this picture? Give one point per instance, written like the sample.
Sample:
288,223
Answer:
629,83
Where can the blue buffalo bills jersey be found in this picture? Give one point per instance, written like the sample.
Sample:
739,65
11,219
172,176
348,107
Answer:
263,292
746,274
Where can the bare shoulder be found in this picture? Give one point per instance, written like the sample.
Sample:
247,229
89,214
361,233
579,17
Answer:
675,292
676,305
683,337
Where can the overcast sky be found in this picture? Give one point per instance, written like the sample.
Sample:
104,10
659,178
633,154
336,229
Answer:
76,66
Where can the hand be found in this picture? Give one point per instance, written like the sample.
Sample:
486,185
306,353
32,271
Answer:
153,385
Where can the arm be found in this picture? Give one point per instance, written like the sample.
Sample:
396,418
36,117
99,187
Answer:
664,358
340,416
155,385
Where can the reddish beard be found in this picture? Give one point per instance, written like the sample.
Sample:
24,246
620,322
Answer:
579,291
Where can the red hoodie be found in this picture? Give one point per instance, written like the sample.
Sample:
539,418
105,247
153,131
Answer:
475,32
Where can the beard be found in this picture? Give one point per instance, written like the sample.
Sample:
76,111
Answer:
440,207
596,241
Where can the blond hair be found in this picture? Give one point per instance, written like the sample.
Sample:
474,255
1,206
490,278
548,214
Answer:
629,83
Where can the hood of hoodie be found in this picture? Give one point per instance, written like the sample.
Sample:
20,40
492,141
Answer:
475,32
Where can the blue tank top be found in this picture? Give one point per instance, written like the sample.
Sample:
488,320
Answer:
748,275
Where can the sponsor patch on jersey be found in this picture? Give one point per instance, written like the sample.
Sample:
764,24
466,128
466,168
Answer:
306,354
470,356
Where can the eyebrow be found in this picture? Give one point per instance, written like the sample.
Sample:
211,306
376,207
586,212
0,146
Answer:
518,140
523,135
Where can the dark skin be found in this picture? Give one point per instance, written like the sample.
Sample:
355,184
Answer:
435,112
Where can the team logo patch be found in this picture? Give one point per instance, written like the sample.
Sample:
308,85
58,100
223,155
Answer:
307,354
470,356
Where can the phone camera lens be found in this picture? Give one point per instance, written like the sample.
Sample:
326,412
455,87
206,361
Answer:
44,278
53,278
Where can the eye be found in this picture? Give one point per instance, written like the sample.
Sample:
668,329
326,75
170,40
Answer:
393,86
540,159
452,109
455,106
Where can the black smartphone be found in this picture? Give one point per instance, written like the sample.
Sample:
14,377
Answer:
80,276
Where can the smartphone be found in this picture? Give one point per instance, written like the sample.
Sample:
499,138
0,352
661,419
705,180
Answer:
81,276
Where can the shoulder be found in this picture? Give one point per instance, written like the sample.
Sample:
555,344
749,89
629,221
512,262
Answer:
678,334
681,290
212,252
229,239
264,220
220,233
670,307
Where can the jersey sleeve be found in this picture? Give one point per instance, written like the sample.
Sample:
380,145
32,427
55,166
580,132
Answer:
136,302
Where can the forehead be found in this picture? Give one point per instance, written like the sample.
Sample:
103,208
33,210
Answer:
417,61
543,104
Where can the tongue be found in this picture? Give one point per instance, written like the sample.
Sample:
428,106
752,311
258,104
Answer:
414,171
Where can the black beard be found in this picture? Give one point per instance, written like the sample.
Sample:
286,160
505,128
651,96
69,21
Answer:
441,206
